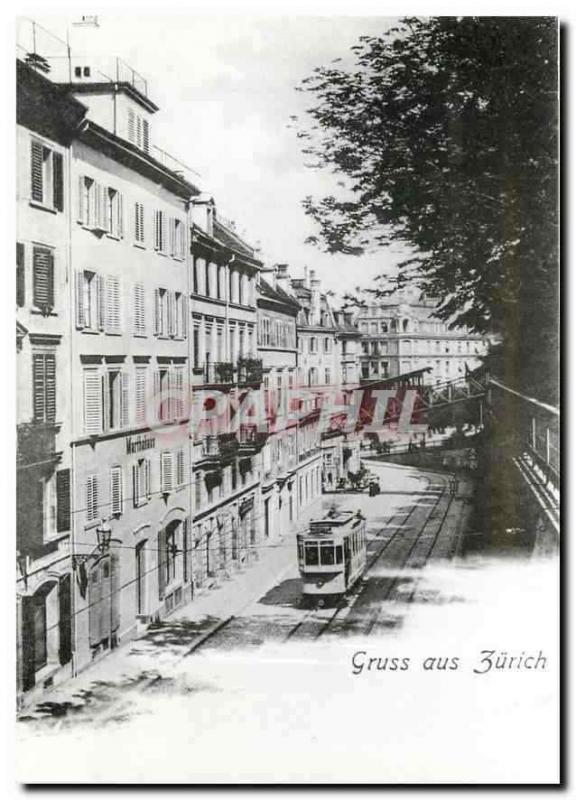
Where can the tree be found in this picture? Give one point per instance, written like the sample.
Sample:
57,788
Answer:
443,135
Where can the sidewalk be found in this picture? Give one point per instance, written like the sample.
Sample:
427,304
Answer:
138,662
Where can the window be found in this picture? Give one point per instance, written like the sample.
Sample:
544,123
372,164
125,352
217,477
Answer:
327,345
43,277
139,310
46,176
40,631
138,130
44,387
20,275
177,245
116,491
141,491
106,400
91,498
327,376
160,238
90,300
166,471
327,553
161,312
93,202
171,551
311,554
114,212
139,223
50,506
63,500
180,476
312,344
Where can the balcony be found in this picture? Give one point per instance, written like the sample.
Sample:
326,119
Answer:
249,371
250,441
219,373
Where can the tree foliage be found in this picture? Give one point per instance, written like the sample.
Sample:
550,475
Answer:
444,136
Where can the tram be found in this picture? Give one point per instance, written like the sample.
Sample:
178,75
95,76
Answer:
331,555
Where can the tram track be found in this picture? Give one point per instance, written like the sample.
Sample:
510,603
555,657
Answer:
315,624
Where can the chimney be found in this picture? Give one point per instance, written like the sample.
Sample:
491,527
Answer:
315,300
282,277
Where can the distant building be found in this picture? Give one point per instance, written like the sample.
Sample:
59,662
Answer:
401,334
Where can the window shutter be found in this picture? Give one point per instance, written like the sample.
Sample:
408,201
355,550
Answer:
58,181
166,477
157,230
139,309
38,387
157,315
80,316
145,135
147,478
116,490
36,171
120,214
92,401
170,307
50,366
163,231
43,277
63,500
136,485
180,467
138,130
140,396
157,397
81,208
113,304
178,392
101,288
20,275
92,497
173,237
125,400
131,130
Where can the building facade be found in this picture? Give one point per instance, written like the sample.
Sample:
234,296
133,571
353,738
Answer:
277,347
402,334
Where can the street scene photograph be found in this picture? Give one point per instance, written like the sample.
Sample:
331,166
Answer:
288,399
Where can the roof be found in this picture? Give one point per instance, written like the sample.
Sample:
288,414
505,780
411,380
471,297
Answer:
231,239
277,294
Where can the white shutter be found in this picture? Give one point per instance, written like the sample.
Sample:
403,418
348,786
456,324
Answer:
140,396
120,214
180,467
178,393
147,479
139,314
113,304
125,401
157,397
170,303
136,485
81,205
92,497
131,129
166,475
116,490
157,314
80,317
92,401
157,230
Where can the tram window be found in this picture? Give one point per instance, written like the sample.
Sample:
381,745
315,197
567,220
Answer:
311,549
338,553
327,553
300,551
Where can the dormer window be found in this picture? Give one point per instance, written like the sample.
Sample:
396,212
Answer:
138,130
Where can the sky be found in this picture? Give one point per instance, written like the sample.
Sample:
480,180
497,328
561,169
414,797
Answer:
226,91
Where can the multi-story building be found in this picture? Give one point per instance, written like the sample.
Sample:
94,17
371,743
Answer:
47,119
402,334
322,368
277,347
129,366
225,369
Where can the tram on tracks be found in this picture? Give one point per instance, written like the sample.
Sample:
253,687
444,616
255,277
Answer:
331,556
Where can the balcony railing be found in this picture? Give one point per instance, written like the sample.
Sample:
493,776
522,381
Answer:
249,370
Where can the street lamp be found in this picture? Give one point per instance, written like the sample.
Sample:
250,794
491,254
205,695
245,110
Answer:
103,536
